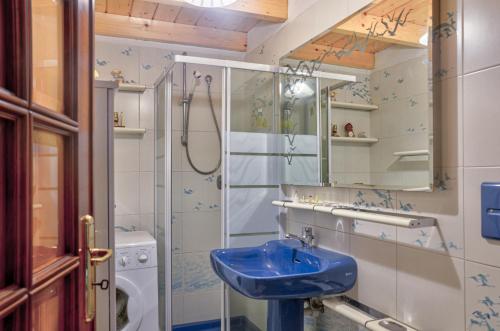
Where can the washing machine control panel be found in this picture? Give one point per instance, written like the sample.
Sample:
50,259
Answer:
135,257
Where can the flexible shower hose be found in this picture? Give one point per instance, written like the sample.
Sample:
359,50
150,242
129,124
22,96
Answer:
208,80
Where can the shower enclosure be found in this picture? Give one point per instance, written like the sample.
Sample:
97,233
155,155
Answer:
270,134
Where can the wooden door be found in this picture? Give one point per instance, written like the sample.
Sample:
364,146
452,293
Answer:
45,174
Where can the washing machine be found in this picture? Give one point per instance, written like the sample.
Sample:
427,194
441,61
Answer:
136,281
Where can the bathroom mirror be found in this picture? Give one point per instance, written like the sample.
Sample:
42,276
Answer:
299,129
379,130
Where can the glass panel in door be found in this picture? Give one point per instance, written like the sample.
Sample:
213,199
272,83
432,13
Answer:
47,20
252,175
48,197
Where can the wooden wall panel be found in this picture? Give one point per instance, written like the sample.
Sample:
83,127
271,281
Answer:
119,7
144,9
189,16
166,13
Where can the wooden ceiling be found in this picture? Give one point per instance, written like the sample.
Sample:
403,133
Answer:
174,21
355,29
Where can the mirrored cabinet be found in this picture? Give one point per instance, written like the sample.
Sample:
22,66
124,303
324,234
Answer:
376,132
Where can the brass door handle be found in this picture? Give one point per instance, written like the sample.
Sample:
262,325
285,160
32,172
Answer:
93,257
100,255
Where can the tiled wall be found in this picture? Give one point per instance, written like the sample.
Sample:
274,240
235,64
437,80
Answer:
443,278
134,190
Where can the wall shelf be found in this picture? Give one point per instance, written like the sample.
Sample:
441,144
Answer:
354,140
129,131
126,87
412,153
353,106
406,221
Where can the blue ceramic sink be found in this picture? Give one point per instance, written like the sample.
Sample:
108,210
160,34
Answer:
285,273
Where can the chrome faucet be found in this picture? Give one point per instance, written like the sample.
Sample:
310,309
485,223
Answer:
306,239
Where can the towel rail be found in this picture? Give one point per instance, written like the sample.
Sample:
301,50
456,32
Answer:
407,221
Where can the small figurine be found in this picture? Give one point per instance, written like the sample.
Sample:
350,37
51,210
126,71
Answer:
335,132
349,130
118,120
333,96
117,75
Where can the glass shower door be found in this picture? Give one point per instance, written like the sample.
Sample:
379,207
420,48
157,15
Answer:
251,179
162,188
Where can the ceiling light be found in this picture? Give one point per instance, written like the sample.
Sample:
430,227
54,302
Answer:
211,3
299,89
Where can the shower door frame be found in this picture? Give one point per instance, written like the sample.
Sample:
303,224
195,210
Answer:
167,76
226,66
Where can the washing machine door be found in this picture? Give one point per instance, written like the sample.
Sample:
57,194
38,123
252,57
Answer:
129,303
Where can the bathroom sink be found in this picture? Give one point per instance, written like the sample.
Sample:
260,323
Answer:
283,269
286,273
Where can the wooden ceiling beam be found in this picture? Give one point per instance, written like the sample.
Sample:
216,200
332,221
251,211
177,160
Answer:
407,35
138,28
275,11
356,59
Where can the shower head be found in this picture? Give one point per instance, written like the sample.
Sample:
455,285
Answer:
208,79
197,74
196,81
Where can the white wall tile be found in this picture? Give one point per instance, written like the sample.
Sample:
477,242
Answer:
204,149
202,306
177,309
481,37
331,240
197,273
482,297
147,223
250,211
177,233
251,241
147,109
128,104
177,151
126,154
119,56
450,130
146,154
129,222
477,248
201,231
177,192
127,193
481,117
376,283
445,205
430,290
151,64
331,222
450,42
378,200
147,199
